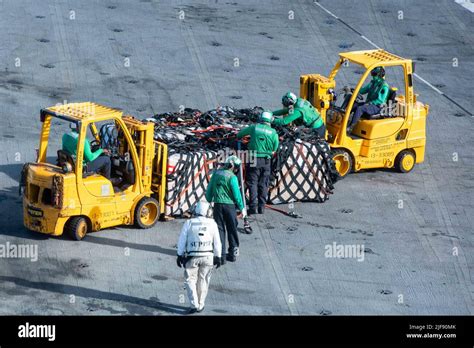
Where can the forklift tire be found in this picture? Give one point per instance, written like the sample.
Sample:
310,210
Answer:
343,161
405,161
76,227
147,212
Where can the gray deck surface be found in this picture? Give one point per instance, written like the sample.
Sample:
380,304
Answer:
190,62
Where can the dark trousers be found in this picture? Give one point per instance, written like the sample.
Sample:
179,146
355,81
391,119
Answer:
225,216
361,109
101,165
258,179
320,131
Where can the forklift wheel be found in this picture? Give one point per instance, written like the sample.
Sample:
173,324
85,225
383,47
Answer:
405,161
76,227
147,212
343,161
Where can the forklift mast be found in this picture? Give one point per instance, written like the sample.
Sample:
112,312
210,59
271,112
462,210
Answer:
152,156
142,135
316,89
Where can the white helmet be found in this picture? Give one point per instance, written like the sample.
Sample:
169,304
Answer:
289,99
266,116
201,208
233,161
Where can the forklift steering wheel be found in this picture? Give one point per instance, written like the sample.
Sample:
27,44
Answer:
343,91
359,98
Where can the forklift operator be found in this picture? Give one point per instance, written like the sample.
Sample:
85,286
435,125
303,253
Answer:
93,160
377,94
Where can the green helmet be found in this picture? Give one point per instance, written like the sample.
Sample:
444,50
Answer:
233,161
266,116
378,71
289,99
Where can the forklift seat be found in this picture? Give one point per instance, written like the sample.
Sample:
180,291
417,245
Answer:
390,107
392,93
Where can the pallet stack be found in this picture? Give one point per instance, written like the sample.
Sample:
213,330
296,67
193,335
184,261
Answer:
301,170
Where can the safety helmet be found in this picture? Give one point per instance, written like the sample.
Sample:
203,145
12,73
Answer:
289,99
201,208
233,161
378,71
266,116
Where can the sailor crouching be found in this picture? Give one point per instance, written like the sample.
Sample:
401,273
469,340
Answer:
199,249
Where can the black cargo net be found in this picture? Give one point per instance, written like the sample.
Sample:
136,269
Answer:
299,173
187,179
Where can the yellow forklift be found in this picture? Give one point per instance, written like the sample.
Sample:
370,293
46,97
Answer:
60,195
394,138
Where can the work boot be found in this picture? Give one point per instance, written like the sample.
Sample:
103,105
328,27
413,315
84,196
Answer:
232,255
261,210
251,211
248,229
200,309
